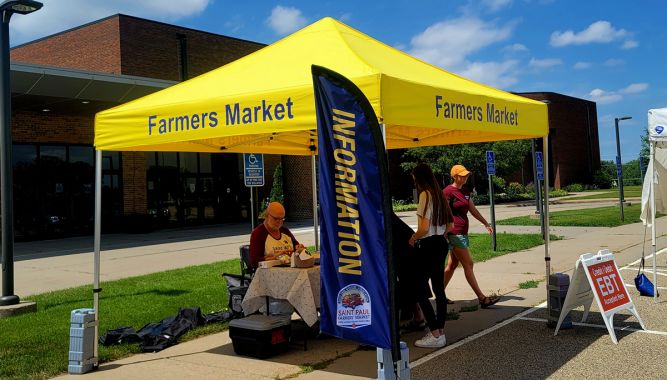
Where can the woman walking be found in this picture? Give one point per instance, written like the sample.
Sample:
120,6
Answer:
433,218
460,202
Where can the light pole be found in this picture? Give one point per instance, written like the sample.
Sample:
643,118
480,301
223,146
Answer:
619,166
7,9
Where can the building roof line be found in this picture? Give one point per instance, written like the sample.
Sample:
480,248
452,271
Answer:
119,15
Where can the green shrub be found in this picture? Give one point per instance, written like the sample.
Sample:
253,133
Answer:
515,188
557,193
480,199
602,179
402,205
574,188
498,184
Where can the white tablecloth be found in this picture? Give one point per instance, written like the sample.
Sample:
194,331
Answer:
299,286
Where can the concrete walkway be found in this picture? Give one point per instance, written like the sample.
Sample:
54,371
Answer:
58,264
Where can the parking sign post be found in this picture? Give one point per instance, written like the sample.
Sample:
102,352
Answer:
539,168
491,171
253,176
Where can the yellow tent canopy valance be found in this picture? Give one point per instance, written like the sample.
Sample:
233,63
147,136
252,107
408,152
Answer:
264,102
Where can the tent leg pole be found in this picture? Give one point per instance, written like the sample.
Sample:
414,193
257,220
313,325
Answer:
547,257
97,247
652,197
313,166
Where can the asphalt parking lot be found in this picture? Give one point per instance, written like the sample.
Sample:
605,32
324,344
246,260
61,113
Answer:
525,348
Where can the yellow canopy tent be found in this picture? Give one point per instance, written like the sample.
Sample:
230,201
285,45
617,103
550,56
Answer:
264,103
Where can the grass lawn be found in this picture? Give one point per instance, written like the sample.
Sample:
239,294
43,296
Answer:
591,217
36,346
480,244
628,191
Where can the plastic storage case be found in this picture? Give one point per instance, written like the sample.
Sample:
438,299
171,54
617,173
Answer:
260,336
558,286
81,341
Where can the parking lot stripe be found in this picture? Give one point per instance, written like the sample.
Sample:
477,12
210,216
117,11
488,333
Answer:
600,326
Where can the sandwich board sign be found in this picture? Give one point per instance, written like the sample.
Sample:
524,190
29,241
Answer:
596,277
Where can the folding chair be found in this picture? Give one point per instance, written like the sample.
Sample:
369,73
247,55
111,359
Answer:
247,271
237,285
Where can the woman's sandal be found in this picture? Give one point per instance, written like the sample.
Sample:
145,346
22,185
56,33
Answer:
488,301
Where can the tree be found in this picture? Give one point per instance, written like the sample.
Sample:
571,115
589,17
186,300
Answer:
276,194
509,157
645,150
631,173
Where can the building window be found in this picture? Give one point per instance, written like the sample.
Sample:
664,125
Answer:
192,188
54,189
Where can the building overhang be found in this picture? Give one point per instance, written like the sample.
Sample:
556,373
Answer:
40,88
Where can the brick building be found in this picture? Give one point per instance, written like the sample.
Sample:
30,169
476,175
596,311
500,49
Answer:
59,82
574,154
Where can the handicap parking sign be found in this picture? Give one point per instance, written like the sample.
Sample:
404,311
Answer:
490,162
253,169
539,165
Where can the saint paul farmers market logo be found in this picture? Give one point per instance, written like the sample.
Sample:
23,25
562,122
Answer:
353,307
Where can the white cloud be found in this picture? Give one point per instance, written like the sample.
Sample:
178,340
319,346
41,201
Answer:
234,24
614,62
448,43
604,97
57,16
634,88
597,32
496,5
582,65
544,63
515,48
345,17
285,20
496,74
629,44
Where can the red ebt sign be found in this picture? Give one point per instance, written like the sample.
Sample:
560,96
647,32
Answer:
596,278
608,285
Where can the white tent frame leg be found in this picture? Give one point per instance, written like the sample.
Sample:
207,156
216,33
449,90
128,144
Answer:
96,247
313,165
545,212
652,200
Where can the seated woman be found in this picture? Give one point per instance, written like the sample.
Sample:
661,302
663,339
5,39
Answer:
271,239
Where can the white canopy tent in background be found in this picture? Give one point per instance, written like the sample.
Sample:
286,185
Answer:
654,191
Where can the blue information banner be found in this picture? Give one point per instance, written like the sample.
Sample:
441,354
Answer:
619,167
490,163
539,165
253,169
357,271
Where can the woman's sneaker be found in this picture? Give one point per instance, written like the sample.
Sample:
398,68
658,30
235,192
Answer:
429,341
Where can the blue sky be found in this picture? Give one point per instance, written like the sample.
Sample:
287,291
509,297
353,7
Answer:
611,52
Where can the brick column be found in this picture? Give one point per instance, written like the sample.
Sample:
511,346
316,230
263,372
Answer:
134,183
297,186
